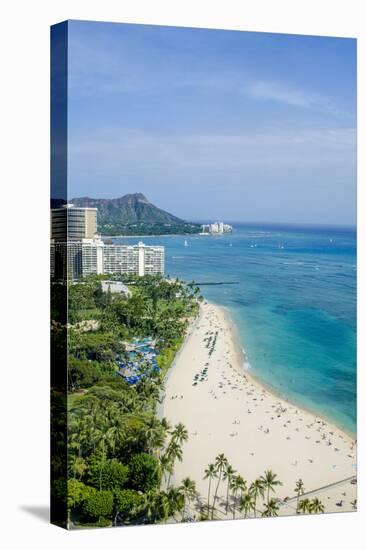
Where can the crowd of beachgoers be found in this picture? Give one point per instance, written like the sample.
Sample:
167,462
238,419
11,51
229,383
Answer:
226,410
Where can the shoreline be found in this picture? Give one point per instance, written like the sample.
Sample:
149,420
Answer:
190,330
145,236
290,440
256,379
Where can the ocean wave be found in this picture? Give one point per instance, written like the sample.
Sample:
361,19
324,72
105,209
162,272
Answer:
247,365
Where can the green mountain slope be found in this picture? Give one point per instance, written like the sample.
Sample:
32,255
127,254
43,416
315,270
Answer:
134,214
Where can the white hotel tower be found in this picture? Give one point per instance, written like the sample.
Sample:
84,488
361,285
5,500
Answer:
77,250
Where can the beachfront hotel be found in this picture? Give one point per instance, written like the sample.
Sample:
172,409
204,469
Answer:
138,259
77,250
71,222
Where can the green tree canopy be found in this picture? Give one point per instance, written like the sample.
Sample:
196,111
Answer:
98,505
77,492
114,474
127,504
145,472
81,374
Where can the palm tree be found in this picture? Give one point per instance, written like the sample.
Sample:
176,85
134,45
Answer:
270,482
210,473
305,506
176,500
271,508
256,489
228,475
188,489
104,436
299,490
162,506
166,424
150,505
247,503
220,465
166,466
317,507
76,432
114,426
79,467
173,453
154,434
180,433
238,483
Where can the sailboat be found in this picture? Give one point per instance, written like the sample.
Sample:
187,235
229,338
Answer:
185,243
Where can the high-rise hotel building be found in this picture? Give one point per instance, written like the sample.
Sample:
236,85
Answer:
138,259
77,250
73,223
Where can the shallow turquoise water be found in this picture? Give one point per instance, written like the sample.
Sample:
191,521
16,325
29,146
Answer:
294,305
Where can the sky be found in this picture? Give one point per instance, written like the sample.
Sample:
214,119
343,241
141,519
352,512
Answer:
214,124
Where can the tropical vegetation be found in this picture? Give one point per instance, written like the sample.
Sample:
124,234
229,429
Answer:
244,500
121,456
119,452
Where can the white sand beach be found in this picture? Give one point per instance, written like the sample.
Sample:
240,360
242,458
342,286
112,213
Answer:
225,410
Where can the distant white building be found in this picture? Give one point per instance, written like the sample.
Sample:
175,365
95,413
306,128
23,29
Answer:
217,228
115,287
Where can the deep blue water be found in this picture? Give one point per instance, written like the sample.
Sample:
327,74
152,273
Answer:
294,305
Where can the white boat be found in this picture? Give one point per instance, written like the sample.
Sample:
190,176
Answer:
185,243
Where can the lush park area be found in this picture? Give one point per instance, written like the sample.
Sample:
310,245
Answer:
118,450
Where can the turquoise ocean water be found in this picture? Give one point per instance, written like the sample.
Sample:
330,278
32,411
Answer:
294,304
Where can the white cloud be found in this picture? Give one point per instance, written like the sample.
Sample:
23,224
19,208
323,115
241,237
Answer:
267,170
136,151
289,95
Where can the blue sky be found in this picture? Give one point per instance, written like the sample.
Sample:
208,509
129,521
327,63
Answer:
214,124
